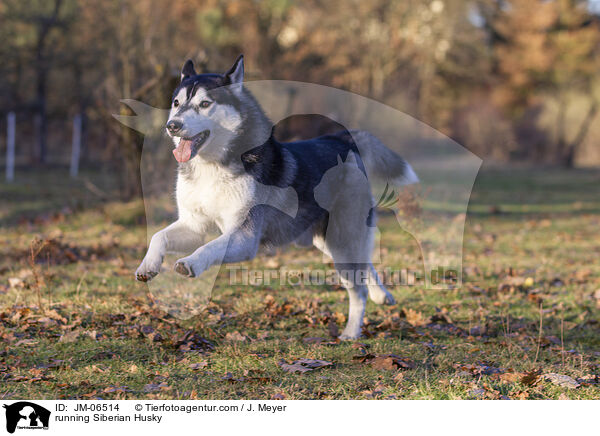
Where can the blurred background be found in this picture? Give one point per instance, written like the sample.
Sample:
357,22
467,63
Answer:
515,81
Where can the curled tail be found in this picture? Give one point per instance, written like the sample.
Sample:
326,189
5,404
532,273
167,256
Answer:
381,162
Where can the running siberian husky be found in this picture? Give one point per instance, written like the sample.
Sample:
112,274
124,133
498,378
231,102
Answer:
214,123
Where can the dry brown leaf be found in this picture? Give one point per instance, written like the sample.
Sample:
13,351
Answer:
56,316
416,319
511,377
333,329
531,378
26,343
589,379
151,333
198,365
70,337
360,345
235,337
115,389
191,341
391,362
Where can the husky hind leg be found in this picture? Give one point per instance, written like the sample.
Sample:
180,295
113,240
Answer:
349,274
350,277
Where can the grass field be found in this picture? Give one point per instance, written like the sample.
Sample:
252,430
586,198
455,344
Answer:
524,325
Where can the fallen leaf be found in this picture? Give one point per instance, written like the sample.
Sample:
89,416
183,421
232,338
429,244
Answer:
26,342
257,355
511,377
149,332
399,377
415,318
589,379
313,340
333,329
360,345
114,389
376,392
199,365
561,380
70,337
391,362
152,387
303,365
191,341
235,337
19,378
477,369
531,378
56,316
521,395
477,393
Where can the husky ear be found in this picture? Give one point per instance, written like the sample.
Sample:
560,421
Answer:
188,70
351,159
236,73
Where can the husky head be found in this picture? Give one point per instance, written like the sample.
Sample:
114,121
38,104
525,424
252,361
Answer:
208,111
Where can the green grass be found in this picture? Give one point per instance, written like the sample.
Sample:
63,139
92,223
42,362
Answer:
476,341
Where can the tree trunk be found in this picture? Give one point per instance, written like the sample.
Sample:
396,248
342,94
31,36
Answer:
10,146
570,150
46,26
42,123
131,183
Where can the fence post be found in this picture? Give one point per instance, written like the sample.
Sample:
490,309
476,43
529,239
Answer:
10,146
76,146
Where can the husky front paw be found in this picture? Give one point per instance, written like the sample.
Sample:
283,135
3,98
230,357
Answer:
191,266
145,276
349,335
147,271
184,269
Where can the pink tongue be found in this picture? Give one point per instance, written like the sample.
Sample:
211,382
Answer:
183,151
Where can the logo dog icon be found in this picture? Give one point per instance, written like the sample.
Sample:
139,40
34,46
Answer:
26,415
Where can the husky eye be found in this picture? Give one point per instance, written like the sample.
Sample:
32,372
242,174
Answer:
176,103
205,103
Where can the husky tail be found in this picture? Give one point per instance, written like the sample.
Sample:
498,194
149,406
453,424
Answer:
381,162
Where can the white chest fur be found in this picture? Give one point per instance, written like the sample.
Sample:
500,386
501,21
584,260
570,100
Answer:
212,194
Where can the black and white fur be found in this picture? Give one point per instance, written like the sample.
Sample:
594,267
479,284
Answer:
234,156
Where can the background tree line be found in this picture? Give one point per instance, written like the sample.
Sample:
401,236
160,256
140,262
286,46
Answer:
513,80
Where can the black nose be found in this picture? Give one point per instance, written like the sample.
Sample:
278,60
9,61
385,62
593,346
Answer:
174,126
